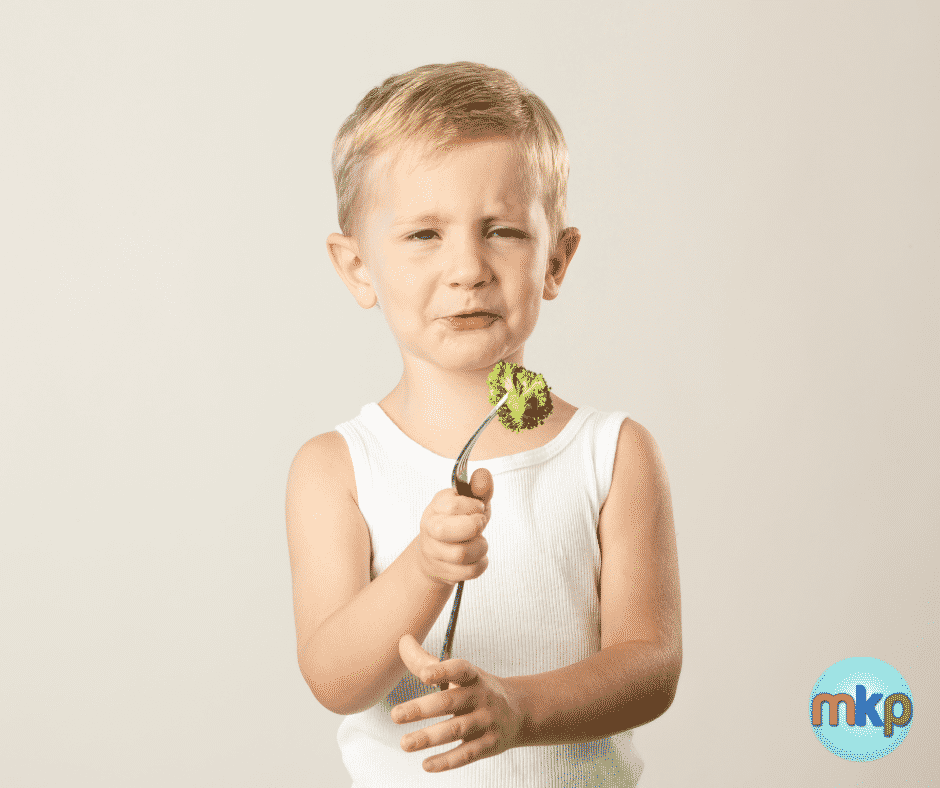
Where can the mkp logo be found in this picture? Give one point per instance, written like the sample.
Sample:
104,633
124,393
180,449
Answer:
861,708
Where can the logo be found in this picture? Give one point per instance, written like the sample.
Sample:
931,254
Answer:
861,708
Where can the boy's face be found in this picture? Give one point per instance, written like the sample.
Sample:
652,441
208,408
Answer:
453,235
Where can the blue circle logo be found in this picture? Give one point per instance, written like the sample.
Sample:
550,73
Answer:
861,708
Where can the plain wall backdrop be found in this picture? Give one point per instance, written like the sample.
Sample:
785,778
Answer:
758,189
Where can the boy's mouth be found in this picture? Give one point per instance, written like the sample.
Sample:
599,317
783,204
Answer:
471,320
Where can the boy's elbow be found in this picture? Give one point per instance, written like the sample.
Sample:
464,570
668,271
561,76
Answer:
329,701
332,694
654,703
669,681
658,690
667,696
326,694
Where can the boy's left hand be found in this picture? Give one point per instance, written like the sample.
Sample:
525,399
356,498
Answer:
487,710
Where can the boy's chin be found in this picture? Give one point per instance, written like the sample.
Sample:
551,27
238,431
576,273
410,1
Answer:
463,360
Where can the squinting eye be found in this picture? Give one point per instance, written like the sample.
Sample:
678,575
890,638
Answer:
508,232
423,235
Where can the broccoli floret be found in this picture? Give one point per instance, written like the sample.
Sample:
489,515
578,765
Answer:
529,402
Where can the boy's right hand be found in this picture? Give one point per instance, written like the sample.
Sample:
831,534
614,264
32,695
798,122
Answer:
451,547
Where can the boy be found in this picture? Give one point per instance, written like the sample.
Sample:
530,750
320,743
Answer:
451,183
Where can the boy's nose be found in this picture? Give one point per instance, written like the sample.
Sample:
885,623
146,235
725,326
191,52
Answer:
472,281
468,267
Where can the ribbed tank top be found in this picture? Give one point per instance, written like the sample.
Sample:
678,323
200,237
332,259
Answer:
534,609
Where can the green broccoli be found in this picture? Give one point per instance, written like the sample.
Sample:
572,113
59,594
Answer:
529,402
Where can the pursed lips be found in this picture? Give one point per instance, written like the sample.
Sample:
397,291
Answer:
467,321
473,314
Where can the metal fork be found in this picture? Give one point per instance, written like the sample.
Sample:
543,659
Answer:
462,485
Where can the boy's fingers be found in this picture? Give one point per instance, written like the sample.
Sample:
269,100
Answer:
431,670
460,671
481,484
416,659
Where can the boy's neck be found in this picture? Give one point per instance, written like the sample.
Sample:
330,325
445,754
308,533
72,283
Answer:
444,406
441,412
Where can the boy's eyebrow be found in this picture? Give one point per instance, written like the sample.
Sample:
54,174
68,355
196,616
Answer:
435,219
425,218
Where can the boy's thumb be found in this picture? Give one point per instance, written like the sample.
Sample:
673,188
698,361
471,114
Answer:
481,484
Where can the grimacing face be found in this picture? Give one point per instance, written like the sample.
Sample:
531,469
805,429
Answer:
447,236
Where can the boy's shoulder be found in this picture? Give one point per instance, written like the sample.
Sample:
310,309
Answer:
635,443
638,463
324,458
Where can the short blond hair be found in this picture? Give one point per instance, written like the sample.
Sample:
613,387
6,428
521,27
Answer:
440,104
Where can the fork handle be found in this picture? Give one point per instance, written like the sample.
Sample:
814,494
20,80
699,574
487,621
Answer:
462,485
463,488
449,637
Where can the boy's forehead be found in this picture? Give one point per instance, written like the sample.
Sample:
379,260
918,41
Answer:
419,173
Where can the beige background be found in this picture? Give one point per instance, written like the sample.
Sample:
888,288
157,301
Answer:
758,186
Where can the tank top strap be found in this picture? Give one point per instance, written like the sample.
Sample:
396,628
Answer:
601,440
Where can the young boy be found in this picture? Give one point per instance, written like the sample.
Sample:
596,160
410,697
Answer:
451,183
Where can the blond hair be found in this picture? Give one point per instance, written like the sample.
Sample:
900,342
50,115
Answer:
440,104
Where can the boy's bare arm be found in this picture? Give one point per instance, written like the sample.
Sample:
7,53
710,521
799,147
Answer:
348,628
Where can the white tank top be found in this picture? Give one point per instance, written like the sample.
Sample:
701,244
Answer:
534,609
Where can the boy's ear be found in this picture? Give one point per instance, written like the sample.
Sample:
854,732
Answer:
344,252
559,260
